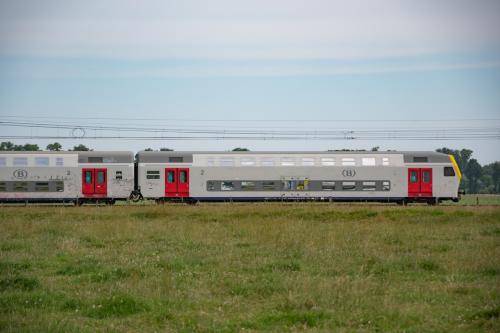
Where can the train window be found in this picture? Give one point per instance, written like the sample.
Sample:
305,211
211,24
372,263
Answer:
170,177
211,161
59,161
268,185
227,186
348,161
289,185
302,185
426,176
420,159
3,161
20,161
118,175
368,161
267,161
328,186
327,161
413,177
88,177
226,161
210,186
247,186
183,178
176,159
94,159
3,187
152,174
101,177
348,186
247,161
307,161
385,161
449,172
59,186
20,186
42,161
287,161
369,186
41,187
386,185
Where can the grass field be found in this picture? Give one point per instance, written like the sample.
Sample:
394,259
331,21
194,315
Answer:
250,267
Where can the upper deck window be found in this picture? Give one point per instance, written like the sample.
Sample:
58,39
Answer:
42,161
368,161
3,161
420,159
328,161
247,161
348,161
95,159
268,161
385,161
287,161
20,161
176,159
59,161
307,161
226,161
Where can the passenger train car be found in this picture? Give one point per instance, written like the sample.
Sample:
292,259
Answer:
107,176
75,176
334,176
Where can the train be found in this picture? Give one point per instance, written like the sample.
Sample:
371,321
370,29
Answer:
83,177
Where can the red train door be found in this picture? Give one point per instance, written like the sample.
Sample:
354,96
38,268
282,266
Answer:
170,182
183,182
94,181
426,182
87,181
420,182
177,182
101,181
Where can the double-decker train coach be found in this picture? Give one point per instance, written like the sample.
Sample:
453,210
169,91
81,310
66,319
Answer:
334,176
75,176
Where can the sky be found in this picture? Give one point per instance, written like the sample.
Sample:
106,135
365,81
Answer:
272,65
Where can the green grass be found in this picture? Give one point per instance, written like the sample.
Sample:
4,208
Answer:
253,267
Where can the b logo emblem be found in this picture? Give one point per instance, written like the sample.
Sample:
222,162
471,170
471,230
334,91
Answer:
20,174
348,172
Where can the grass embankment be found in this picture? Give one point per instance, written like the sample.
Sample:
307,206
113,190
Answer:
258,267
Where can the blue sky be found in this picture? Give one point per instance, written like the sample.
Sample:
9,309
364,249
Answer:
315,65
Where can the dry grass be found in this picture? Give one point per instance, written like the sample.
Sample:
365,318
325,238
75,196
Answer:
252,267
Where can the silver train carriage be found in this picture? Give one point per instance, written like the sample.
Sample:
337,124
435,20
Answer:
334,176
77,176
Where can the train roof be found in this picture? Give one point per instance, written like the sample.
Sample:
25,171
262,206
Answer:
187,156
85,156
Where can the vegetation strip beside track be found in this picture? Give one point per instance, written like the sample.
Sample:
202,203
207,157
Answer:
259,267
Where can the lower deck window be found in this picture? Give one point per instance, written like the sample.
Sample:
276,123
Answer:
227,186
386,186
118,175
298,185
3,187
369,186
41,187
247,186
20,186
152,174
328,186
348,186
